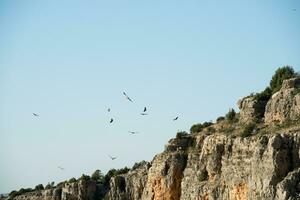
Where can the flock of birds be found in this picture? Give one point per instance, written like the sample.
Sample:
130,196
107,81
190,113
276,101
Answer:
111,121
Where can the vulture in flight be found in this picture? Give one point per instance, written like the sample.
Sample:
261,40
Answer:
127,97
133,132
112,158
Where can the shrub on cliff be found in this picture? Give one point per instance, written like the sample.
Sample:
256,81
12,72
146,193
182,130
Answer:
138,164
231,115
48,186
221,118
181,134
14,193
264,95
211,129
248,130
39,187
85,177
196,128
280,75
113,172
72,180
97,176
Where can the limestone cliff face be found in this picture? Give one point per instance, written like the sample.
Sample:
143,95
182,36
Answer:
204,167
221,167
284,104
81,190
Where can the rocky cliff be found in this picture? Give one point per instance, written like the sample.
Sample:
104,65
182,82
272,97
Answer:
219,167
226,161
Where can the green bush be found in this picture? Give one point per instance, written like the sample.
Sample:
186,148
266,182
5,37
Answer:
48,186
97,176
61,184
231,115
72,180
211,129
122,170
280,75
112,173
248,130
85,177
39,187
14,193
264,95
196,128
207,124
22,190
181,134
138,164
220,119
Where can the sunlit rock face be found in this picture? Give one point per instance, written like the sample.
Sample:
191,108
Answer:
220,167
250,109
284,104
209,167
80,190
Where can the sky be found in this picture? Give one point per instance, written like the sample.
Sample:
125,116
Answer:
69,61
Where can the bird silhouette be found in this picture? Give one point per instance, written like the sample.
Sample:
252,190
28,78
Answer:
112,158
145,109
133,132
127,97
108,110
111,120
36,115
175,118
294,9
144,113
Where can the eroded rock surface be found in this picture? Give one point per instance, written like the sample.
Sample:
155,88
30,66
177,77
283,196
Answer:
284,104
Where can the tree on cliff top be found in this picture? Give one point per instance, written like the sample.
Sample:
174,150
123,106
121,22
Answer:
280,75
97,176
39,187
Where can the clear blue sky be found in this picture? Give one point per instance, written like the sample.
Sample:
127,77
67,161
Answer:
71,60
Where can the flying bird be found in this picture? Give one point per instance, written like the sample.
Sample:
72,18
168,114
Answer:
111,120
144,113
145,109
175,118
36,115
112,158
294,9
60,168
127,97
133,132
108,110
